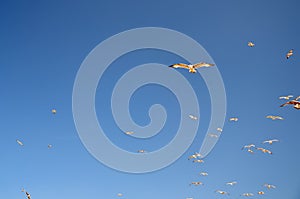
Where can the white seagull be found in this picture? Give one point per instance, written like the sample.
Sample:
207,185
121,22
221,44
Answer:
193,117
20,143
231,183
191,67
251,44
290,53
270,141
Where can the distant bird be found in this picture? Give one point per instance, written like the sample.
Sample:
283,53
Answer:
297,98
198,161
196,183
193,117
260,193
292,102
49,146
20,143
251,44
53,111
286,97
194,156
213,135
247,194
28,195
191,67
264,150
231,183
204,174
290,53
219,129
250,151
274,117
269,186
248,146
222,192
129,132
270,141
119,194
141,151
235,119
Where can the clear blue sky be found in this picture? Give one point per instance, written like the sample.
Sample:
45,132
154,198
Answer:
43,44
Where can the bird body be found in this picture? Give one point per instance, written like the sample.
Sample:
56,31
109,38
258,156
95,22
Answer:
20,143
193,117
270,141
264,150
269,186
290,53
292,102
196,183
222,192
231,183
191,67
286,97
274,117
235,119
251,44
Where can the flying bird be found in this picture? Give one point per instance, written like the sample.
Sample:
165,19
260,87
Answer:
194,156
274,117
231,183
222,192
219,129
264,150
290,53
53,111
191,67
270,141
251,44
196,183
213,135
198,161
28,195
235,119
260,193
193,117
286,97
49,146
141,151
129,132
20,143
292,102
269,186
204,174
247,194
119,194
248,146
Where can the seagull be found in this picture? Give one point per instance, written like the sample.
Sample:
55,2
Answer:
196,183
219,129
250,151
119,194
297,98
269,186
248,146
49,146
231,183
141,151
53,111
260,193
193,117
235,119
247,194
222,192
270,141
198,161
274,117
204,174
191,67
293,102
20,143
251,44
286,97
264,150
194,156
28,195
290,53
213,135
129,132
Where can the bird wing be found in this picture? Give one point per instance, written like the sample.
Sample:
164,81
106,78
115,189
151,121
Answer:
202,64
180,65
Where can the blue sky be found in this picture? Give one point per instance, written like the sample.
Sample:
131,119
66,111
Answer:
43,45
